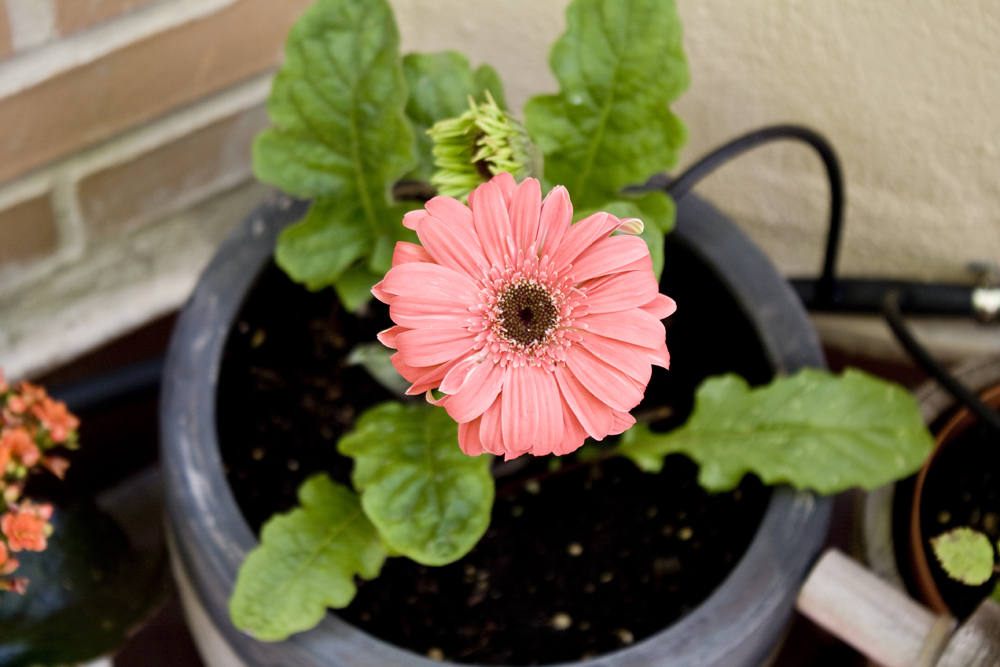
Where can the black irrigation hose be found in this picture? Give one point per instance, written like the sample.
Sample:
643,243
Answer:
681,185
893,316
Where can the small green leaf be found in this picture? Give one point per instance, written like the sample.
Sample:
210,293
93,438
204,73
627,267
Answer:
657,212
306,562
354,286
374,358
965,554
619,65
429,501
811,430
317,250
440,86
340,133
996,593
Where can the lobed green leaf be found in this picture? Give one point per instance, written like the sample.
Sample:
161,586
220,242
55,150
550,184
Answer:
965,554
440,86
620,64
430,501
811,430
306,562
340,134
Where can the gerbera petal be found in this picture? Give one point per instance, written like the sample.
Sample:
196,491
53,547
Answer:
550,411
579,237
608,255
412,218
410,373
623,422
621,291
459,373
432,280
468,437
490,429
525,210
478,392
492,222
450,249
388,337
661,357
450,211
553,221
426,347
434,375
594,414
506,183
608,384
381,294
416,312
660,307
632,326
629,359
519,410
574,435
406,252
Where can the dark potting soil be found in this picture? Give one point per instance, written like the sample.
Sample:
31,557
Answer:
576,562
962,488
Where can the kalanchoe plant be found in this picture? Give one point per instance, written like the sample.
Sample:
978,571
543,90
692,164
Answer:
528,333
969,557
32,425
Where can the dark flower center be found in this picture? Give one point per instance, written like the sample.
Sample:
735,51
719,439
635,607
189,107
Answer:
527,312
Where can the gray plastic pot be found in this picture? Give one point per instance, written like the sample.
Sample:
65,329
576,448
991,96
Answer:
740,624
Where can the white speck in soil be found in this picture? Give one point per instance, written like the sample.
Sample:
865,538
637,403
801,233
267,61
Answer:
365,616
583,625
533,487
257,453
259,336
667,530
685,533
293,465
681,515
574,549
434,653
243,327
665,566
991,520
516,511
944,516
561,621
625,636
606,577
469,570
589,587
652,511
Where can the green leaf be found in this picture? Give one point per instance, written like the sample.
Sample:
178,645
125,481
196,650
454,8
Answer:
374,357
811,430
619,65
965,554
306,562
440,86
996,593
340,130
317,250
657,212
430,501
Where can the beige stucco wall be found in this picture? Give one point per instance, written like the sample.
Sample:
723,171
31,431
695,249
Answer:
907,91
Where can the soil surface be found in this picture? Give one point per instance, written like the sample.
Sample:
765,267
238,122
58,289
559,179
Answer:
962,489
577,561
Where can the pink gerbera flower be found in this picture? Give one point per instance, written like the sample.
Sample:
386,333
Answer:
538,332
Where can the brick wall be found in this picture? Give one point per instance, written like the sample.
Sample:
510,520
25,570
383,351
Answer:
125,127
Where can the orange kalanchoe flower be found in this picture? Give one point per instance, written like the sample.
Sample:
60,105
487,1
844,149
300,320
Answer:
18,442
26,526
56,418
7,564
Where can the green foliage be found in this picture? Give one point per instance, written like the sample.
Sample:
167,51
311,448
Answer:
306,562
374,357
619,65
429,501
440,86
657,212
340,135
811,430
965,554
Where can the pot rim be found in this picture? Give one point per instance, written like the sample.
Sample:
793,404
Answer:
740,622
